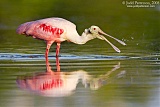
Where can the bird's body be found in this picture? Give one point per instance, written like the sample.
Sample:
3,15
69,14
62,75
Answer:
51,30
58,30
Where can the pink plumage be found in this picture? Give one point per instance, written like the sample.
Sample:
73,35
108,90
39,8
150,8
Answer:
48,29
58,30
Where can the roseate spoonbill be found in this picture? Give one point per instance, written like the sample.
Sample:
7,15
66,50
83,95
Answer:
58,30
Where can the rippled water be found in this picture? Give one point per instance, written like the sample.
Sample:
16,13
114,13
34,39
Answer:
95,80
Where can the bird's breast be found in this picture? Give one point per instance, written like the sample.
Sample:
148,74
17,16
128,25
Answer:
59,40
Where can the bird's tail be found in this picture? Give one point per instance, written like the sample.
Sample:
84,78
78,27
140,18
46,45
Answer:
22,28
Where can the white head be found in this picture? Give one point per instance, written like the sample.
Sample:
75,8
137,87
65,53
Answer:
96,32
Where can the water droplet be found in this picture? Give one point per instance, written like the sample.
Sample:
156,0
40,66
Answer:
132,37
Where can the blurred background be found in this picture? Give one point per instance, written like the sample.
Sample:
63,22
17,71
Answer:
115,18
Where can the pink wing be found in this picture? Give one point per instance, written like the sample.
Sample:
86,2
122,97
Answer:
40,29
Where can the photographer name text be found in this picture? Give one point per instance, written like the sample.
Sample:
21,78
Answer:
138,4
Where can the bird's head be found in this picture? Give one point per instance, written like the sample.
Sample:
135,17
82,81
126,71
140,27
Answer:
96,32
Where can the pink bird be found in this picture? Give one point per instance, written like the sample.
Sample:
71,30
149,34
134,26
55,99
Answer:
58,30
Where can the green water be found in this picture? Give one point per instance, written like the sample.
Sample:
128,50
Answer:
135,83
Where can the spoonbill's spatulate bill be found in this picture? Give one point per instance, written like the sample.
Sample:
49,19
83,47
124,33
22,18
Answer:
58,30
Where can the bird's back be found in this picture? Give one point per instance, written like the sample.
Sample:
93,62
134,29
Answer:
45,28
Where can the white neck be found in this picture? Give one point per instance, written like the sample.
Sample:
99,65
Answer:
77,39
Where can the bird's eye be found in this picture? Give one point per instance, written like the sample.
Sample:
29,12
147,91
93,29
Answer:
94,28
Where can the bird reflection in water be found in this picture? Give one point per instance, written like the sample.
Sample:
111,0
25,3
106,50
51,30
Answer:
59,84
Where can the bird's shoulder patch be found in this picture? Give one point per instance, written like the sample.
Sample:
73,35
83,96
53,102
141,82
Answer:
51,29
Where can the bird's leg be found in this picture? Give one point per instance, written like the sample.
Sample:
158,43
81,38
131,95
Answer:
46,56
48,67
57,50
58,64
